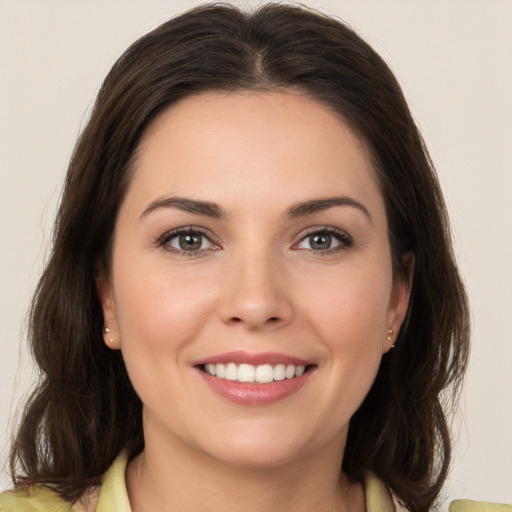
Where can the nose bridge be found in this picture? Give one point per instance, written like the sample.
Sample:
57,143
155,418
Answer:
255,293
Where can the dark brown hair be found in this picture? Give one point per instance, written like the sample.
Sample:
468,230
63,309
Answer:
84,410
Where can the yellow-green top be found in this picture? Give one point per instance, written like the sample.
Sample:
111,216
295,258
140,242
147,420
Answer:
112,497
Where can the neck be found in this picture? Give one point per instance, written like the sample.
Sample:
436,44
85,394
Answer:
178,477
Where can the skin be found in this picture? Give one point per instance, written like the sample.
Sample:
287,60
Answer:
255,285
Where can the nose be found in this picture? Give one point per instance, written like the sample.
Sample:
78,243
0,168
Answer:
255,294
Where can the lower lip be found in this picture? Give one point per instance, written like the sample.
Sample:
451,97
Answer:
255,394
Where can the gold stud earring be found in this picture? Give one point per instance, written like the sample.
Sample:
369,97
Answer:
390,334
106,330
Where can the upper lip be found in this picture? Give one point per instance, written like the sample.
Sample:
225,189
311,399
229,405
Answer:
253,358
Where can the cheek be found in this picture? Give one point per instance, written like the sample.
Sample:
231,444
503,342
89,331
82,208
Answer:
350,305
350,318
158,317
158,311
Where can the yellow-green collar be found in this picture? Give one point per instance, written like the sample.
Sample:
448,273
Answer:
113,494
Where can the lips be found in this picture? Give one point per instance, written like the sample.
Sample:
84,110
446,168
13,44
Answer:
255,379
255,359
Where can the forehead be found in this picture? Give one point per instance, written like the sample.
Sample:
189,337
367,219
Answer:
274,145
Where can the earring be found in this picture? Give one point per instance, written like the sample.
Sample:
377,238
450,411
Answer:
106,330
390,333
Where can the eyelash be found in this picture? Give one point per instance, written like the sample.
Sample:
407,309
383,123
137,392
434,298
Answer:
346,242
164,240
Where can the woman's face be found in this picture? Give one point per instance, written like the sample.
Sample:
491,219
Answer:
252,242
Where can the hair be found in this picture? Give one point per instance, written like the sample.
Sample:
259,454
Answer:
84,410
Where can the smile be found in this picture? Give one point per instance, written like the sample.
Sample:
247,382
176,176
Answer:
261,374
255,379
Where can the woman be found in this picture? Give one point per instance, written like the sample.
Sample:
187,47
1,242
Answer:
252,299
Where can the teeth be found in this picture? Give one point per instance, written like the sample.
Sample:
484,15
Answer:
279,372
264,373
231,372
261,374
246,373
290,371
220,370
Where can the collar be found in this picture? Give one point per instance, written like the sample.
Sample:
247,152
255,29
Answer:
114,496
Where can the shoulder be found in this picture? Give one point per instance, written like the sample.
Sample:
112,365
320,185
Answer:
380,499
110,496
478,506
37,498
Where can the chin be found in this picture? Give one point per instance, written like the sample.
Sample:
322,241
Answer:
260,444
256,455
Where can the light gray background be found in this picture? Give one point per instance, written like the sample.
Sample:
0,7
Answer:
453,59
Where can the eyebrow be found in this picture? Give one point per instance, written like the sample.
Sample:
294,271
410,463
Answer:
213,210
318,205
187,205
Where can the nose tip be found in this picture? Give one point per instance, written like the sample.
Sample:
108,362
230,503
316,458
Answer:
256,299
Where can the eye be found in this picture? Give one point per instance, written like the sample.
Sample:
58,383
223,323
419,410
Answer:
186,241
325,240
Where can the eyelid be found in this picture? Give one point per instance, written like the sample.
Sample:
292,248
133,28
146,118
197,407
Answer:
346,241
163,240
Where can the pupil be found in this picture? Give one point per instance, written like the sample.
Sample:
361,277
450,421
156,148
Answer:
320,241
190,242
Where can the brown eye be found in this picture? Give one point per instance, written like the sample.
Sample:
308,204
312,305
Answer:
190,242
187,241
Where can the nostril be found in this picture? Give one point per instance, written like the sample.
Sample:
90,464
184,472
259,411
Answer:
237,320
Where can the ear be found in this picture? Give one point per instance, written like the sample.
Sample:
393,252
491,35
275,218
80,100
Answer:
399,301
106,297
